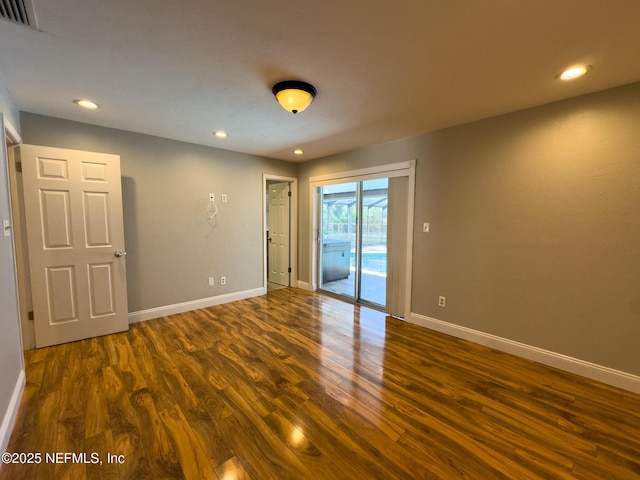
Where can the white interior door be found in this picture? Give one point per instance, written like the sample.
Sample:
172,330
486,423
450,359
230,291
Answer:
75,236
279,233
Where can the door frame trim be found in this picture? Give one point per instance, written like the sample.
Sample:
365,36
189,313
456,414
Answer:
400,169
27,333
293,227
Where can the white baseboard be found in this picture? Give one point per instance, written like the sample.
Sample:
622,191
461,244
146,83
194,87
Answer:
12,411
157,312
305,286
610,376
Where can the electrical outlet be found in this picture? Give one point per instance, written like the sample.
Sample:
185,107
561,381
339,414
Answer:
425,227
442,301
211,282
223,280
224,198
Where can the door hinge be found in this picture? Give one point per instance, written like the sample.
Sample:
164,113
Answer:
30,315
19,167
289,269
289,193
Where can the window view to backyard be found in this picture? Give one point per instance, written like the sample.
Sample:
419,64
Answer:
354,240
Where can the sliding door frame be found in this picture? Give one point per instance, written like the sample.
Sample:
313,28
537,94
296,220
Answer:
401,169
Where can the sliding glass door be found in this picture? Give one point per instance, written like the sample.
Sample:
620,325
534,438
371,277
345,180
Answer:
353,250
339,218
373,242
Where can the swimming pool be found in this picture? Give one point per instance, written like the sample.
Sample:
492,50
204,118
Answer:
373,262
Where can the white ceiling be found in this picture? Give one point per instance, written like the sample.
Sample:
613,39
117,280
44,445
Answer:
384,69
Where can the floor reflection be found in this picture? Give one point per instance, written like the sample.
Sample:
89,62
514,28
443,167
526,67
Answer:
360,337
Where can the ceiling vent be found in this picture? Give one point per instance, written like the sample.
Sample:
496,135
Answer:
18,11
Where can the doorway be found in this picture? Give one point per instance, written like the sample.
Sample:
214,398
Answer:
361,235
280,245
353,257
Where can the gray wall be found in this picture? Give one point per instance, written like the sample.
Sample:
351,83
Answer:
8,106
171,250
10,345
535,224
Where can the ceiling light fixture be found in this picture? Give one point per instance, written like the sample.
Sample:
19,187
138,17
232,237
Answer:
574,72
220,134
86,104
298,151
294,95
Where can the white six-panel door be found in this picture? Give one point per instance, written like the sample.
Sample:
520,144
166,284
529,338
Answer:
279,233
75,236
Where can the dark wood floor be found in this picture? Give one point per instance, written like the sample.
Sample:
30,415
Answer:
295,385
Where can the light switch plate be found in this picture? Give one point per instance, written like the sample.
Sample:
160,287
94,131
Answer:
6,228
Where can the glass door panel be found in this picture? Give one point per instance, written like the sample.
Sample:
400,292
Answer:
339,226
373,256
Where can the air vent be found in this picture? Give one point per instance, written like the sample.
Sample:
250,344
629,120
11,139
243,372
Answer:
18,11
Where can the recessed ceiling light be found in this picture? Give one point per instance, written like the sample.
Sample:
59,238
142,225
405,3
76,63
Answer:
298,151
86,104
220,134
574,72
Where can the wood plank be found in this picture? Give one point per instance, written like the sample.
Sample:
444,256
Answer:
233,469
158,448
273,451
128,364
123,421
73,381
297,441
71,439
196,415
191,456
101,445
96,415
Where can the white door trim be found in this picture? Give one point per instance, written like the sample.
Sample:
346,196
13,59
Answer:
11,138
11,134
293,227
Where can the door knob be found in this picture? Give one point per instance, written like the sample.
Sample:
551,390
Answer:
120,254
